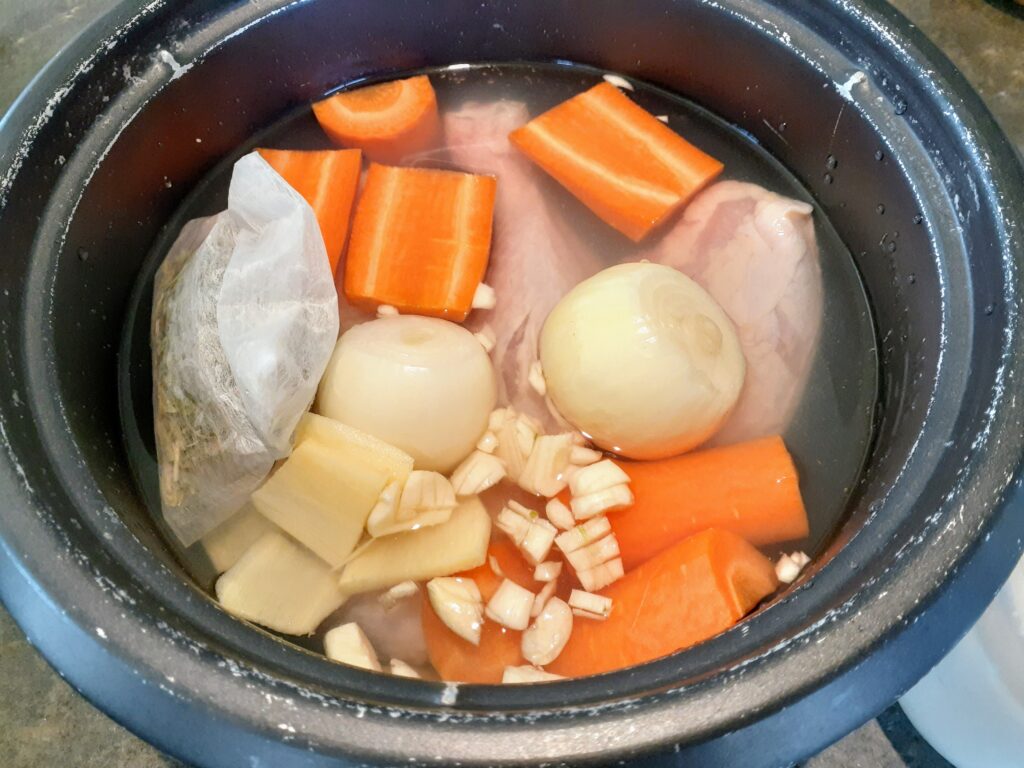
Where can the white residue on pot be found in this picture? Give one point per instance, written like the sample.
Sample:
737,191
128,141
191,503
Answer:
450,694
177,70
846,89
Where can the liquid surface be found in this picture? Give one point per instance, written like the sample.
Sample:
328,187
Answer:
830,432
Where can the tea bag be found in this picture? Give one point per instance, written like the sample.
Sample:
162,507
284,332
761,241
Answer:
245,318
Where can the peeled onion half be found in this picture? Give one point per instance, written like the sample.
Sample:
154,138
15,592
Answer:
641,359
422,384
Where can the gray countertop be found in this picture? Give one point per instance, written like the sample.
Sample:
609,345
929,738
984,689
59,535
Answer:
43,720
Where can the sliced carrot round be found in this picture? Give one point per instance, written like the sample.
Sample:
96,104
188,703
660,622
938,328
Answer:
387,121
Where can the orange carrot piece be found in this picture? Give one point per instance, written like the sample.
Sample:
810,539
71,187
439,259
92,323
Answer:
623,163
751,489
687,594
458,660
387,121
420,241
328,180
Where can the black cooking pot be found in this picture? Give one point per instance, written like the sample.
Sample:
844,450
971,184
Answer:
109,138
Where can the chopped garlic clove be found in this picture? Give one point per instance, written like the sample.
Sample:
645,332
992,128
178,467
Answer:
477,473
385,512
537,543
594,554
527,674
800,558
618,81
487,338
598,605
399,668
425,491
386,310
515,436
513,525
545,594
608,500
457,602
488,443
581,456
547,636
484,297
536,378
560,515
789,566
602,575
349,645
544,472
424,519
510,605
663,118
398,592
531,533
597,477
548,571
582,535
495,566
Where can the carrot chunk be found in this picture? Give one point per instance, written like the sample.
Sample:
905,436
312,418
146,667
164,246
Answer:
457,659
751,489
623,163
687,594
387,121
328,180
420,241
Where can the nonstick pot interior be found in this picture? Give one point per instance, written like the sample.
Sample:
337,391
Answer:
104,146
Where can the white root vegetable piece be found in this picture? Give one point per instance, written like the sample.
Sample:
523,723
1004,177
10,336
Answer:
600,576
608,500
544,640
528,674
545,471
510,605
545,594
597,477
486,338
560,515
484,297
477,473
229,540
613,341
399,668
422,384
589,605
281,585
457,602
349,645
536,378
397,593
789,566
440,550
582,456
351,445
531,533
548,571
488,443
582,535
321,501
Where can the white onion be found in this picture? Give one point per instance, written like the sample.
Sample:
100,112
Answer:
642,360
422,384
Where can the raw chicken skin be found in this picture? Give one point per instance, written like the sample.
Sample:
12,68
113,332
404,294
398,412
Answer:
755,252
535,259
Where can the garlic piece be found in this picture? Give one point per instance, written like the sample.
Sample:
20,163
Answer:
535,378
349,645
386,310
597,477
560,515
384,514
545,594
548,571
544,472
492,561
582,535
789,566
527,674
487,338
399,668
488,443
590,605
425,492
457,602
516,436
398,592
581,456
612,342
510,605
547,636
594,554
531,533
602,575
484,297
618,81
608,500
477,473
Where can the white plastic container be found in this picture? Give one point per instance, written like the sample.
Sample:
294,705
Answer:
970,708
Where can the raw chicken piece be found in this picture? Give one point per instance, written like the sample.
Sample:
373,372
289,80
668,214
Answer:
535,259
755,252
394,633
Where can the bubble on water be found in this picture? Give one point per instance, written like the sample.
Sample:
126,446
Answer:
911,278
900,105
880,209
83,255
990,308
828,178
891,247
879,155
783,126
918,218
831,163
